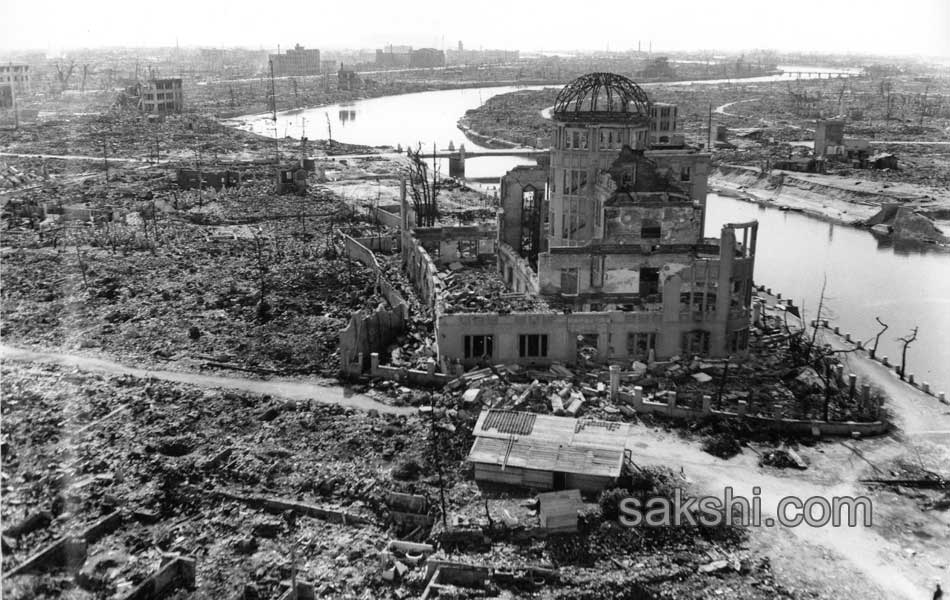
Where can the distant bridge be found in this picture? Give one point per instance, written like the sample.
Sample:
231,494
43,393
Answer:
803,74
522,152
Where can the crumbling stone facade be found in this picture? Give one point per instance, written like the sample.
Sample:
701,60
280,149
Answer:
611,238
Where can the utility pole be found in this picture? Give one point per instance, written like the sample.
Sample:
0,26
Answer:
709,131
16,109
273,99
105,154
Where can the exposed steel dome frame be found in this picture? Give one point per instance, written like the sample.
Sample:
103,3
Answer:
602,96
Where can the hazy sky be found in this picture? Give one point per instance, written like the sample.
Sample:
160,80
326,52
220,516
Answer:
868,26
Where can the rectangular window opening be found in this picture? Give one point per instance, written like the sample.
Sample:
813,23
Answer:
479,346
533,345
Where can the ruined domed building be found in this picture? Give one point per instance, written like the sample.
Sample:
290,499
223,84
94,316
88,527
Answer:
609,240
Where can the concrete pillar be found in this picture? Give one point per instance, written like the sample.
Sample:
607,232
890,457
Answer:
925,387
866,396
847,337
756,313
910,378
942,396
651,356
743,406
824,323
778,296
837,330
852,384
707,404
638,398
671,398
614,382
359,362
430,366
860,345
373,363
885,362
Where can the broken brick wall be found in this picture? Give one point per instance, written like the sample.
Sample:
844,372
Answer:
515,270
368,333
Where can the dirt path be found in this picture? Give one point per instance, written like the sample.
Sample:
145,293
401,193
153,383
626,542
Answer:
721,110
283,388
864,561
112,159
860,560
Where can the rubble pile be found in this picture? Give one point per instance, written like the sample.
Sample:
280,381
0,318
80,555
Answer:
12,177
185,466
482,289
161,283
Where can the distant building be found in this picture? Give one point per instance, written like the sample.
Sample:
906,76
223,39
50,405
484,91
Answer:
426,58
17,75
394,56
347,79
829,138
296,61
480,57
192,179
328,66
14,81
161,96
663,125
6,95
830,143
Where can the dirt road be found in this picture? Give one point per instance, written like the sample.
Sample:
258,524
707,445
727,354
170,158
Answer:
860,560
284,388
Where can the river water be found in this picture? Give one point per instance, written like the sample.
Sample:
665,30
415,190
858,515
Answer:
905,287
865,278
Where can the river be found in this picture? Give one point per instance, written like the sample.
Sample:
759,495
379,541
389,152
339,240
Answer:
424,119
866,278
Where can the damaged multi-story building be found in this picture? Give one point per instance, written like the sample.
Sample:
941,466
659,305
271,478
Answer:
598,255
161,96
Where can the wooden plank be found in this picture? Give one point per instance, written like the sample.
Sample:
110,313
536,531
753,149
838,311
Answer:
177,573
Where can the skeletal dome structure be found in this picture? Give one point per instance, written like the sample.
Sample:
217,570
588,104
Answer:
598,96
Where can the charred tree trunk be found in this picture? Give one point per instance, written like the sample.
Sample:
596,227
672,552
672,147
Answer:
907,342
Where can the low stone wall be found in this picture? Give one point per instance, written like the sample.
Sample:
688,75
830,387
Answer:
428,378
909,379
387,215
639,404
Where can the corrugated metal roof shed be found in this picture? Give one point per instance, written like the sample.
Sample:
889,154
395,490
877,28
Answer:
548,443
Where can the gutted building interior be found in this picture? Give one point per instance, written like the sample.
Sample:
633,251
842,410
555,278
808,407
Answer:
609,240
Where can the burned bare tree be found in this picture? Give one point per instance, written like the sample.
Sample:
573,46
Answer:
423,190
907,340
85,76
877,338
809,352
63,74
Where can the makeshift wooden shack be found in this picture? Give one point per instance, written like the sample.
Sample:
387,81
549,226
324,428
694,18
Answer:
546,452
558,510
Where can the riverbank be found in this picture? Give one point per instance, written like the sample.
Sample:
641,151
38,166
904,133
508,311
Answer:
842,200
